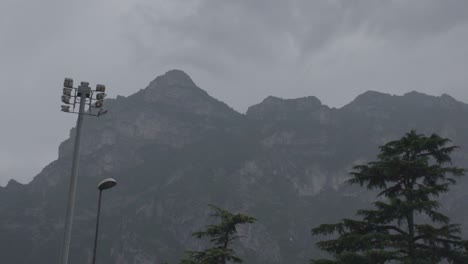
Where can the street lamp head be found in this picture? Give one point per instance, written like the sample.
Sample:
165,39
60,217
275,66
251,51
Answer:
107,184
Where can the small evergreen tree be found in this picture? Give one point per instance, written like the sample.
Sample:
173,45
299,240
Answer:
222,235
405,226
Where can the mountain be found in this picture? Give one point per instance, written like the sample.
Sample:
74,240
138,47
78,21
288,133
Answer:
174,149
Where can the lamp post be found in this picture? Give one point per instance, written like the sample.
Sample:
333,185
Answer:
104,185
83,97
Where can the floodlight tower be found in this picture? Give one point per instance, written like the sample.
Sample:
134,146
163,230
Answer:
88,105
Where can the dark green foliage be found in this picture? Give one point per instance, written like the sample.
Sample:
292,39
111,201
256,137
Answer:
404,226
222,235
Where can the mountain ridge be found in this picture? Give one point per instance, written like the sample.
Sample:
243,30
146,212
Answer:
284,162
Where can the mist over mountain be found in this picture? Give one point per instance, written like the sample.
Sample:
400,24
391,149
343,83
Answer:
174,149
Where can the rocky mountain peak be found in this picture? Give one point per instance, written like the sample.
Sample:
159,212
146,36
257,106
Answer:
13,186
277,107
370,98
415,94
173,78
177,90
173,86
376,101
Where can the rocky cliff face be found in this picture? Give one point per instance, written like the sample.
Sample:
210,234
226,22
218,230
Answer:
174,149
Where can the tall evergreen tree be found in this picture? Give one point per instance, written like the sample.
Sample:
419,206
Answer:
222,235
405,225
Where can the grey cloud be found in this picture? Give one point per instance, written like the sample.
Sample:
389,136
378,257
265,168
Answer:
413,19
260,30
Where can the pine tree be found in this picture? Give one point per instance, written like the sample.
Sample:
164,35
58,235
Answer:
405,225
222,235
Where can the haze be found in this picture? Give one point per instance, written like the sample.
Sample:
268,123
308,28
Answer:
238,51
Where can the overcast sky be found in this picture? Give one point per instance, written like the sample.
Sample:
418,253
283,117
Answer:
240,51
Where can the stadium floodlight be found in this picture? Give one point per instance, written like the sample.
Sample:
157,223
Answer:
81,96
66,99
92,99
67,91
99,104
100,96
68,83
65,108
100,88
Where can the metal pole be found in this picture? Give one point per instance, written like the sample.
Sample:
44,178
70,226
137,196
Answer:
73,181
97,227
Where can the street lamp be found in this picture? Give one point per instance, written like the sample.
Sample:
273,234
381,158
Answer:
89,102
104,185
